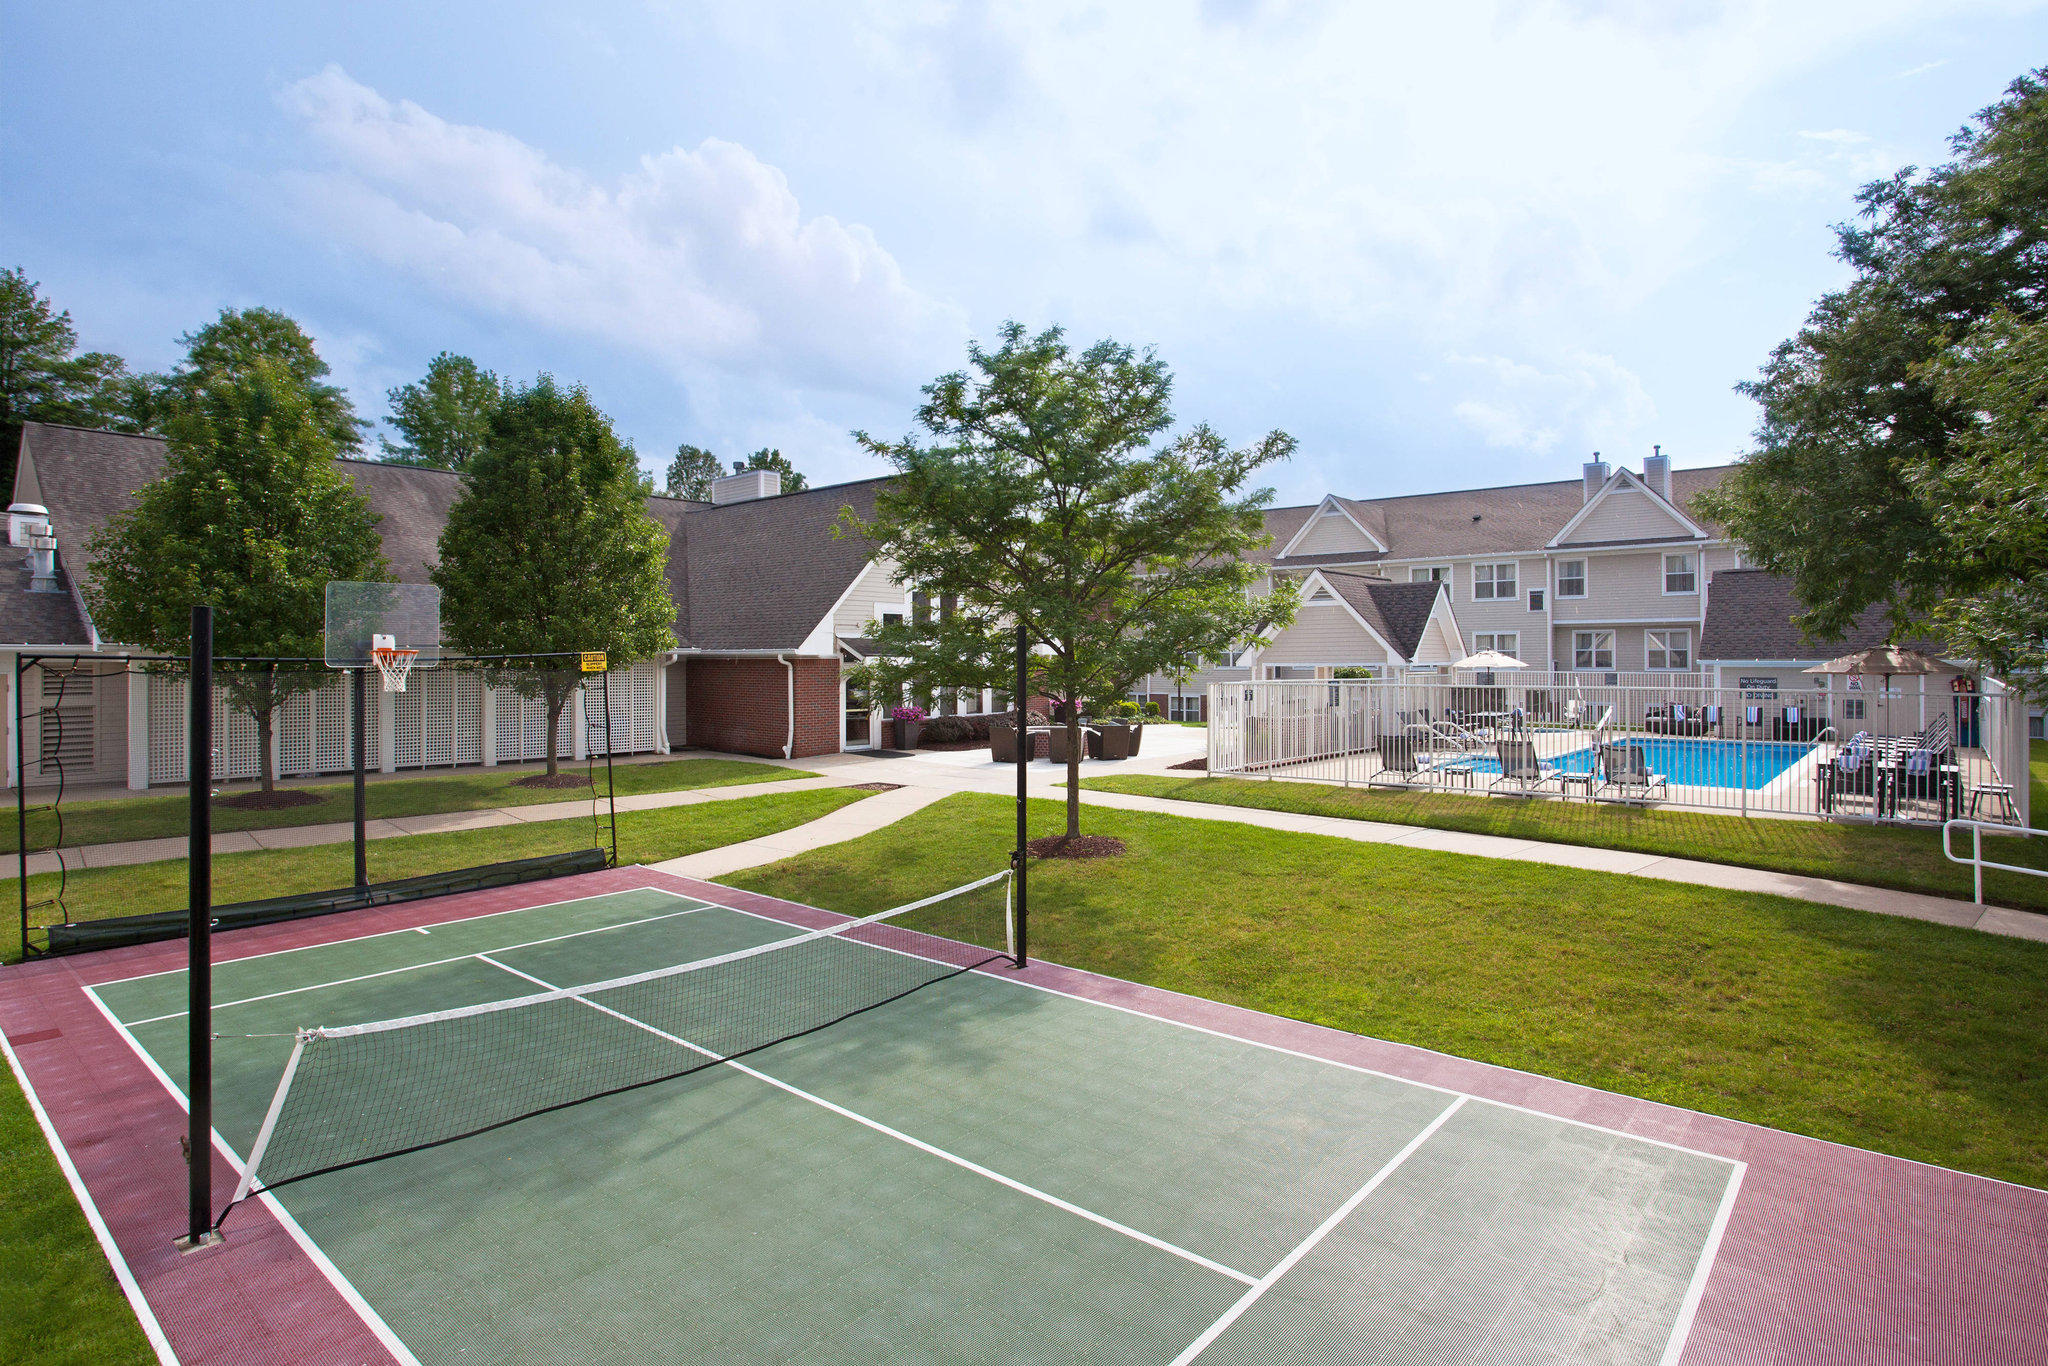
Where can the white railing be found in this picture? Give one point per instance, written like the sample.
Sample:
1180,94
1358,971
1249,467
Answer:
1976,861
1783,752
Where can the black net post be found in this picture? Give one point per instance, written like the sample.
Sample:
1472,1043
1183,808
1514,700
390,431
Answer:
360,708
611,789
20,808
199,961
1022,856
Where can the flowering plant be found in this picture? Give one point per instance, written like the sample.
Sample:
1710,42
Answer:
907,714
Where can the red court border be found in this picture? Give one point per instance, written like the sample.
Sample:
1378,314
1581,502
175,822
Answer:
1832,1254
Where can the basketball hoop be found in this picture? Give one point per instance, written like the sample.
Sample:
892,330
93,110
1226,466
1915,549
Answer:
392,662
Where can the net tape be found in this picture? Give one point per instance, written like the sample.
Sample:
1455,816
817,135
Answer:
355,1094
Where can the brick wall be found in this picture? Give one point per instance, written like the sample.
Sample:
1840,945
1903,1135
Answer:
740,706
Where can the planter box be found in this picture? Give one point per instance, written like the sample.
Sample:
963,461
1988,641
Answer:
908,733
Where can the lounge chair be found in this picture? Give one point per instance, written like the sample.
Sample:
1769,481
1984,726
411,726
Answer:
1521,770
1627,769
1403,761
1851,772
1795,725
1710,719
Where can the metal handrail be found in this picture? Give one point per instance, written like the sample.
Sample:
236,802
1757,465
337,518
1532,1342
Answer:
1976,859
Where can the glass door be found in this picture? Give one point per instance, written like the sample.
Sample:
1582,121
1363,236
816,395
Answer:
859,716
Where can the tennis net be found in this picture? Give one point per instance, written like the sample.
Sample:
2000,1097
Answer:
358,1093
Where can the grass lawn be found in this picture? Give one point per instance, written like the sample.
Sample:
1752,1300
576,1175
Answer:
113,819
63,1303
644,837
1908,1037
1880,855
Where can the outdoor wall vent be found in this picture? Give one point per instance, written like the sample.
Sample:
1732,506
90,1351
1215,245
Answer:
26,519
745,486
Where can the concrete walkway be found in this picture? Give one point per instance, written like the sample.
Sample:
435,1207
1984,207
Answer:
926,776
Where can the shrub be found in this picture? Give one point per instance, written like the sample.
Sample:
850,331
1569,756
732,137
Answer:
906,714
946,730
1152,712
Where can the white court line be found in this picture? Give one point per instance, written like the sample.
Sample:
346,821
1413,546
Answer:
1675,1348
430,963
381,934
966,1164
1307,1245
341,1283
137,1301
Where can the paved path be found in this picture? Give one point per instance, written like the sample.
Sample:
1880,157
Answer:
927,776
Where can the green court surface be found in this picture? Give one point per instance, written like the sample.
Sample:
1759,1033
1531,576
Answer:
981,1170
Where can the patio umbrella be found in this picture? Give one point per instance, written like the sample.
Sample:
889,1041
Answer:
1488,661
1886,661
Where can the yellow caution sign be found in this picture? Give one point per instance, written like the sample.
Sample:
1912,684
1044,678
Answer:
593,661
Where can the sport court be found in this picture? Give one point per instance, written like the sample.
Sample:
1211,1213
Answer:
998,1166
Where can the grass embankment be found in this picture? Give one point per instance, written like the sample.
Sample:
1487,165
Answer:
644,837
1878,855
63,1302
113,819
1900,1035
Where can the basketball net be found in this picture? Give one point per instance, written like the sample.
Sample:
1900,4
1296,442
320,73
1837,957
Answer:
393,664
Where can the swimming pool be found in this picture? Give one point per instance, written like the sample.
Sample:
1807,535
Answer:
1693,763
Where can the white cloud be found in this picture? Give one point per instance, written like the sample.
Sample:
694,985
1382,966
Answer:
1578,399
700,258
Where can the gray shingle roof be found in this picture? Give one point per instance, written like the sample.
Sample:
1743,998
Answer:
1398,611
758,575
1749,616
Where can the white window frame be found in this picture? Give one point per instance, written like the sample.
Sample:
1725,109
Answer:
1691,573
1432,573
1659,642
1585,568
1185,706
1592,651
1491,640
1494,583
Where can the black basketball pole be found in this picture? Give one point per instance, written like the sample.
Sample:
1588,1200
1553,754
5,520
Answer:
362,708
611,788
1022,855
199,969
20,807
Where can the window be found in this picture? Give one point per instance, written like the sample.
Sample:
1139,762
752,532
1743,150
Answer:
1231,659
1668,649
1504,641
1431,573
1535,599
1493,581
1852,709
892,618
2035,729
1184,707
1679,576
1571,578
1592,649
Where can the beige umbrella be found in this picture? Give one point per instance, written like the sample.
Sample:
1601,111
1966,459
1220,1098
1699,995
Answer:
1886,661
1489,660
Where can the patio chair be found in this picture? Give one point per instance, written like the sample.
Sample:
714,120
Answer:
1002,742
1659,719
1521,770
1753,720
1112,740
1056,749
1710,719
1627,769
1852,772
1137,729
1403,762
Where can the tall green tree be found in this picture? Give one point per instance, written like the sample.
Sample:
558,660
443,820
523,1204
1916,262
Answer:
1873,479
1046,493
445,416
253,516
43,376
230,346
768,458
691,472
550,550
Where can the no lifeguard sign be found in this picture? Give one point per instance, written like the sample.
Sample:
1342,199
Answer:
593,661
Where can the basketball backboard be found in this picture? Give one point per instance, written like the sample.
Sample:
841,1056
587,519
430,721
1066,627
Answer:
409,613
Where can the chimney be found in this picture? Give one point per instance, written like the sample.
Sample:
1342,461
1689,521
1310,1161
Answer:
744,486
1595,476
1657,472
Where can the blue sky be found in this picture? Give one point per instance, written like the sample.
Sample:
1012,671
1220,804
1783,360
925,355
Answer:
1443,249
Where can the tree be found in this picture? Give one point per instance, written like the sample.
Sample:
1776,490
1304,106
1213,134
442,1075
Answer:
691,472
549,548
768,458
229,347
253,516
1874,479
443,417
1041,498
42,376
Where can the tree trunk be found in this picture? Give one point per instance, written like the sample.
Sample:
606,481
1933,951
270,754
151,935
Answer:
266,741
1073,769
556,706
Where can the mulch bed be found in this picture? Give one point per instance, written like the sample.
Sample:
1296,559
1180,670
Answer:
554,781
1076,846
280,800
1202,764
874,787
953,744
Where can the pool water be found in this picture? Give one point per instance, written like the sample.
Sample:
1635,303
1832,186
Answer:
1691,763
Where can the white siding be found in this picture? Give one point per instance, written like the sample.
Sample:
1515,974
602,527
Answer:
874,589
1625,515
1332,535
1497,614
1628,586
1324,634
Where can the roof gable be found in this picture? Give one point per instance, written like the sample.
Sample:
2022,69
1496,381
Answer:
1332,528
1626,509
